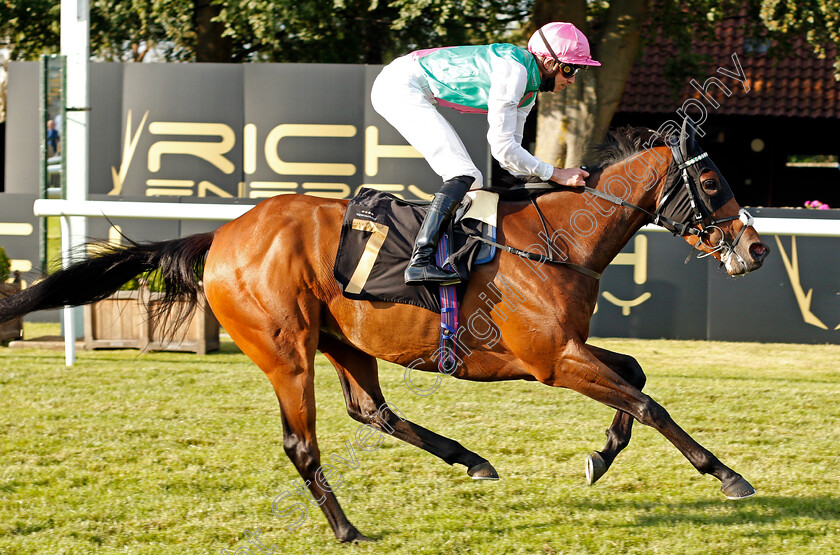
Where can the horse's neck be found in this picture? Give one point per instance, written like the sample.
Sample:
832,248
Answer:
596,230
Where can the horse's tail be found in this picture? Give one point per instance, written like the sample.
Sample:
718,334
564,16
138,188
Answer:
104,268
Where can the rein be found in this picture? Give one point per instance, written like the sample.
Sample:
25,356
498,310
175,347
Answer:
656,218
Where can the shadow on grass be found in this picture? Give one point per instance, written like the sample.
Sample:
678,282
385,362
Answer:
770,516
756,510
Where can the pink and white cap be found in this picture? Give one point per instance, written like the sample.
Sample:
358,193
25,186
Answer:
565,40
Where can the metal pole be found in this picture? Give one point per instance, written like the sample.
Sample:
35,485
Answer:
43,177
67,313
75,45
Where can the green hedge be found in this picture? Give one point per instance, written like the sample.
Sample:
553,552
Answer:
5,265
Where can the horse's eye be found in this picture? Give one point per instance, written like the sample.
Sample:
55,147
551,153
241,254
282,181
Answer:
711,186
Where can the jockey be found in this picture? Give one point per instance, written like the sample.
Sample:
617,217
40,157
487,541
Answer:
500,80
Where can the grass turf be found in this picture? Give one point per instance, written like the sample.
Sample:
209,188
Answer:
174,453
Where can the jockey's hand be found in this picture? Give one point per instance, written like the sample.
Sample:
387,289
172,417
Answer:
573,177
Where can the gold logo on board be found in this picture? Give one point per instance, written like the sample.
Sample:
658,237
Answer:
803,299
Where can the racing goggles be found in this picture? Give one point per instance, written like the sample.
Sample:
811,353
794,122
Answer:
569,70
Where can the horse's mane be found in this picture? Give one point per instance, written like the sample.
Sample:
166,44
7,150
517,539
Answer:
621,144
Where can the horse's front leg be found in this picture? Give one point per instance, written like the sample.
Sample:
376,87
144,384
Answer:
580,370
618,434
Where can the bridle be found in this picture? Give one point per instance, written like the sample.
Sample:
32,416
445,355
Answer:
683,184
707,224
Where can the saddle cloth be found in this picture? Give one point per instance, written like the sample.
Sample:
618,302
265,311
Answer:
377,237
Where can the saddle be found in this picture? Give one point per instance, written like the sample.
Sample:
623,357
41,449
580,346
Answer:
377,236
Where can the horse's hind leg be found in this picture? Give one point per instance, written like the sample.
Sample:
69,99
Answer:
618,434
359,378
287,358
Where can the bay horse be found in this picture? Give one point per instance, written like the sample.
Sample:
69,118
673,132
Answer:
268,277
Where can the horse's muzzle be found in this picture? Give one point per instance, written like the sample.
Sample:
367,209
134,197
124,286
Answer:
743,259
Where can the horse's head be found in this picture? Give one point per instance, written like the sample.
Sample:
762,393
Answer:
698,196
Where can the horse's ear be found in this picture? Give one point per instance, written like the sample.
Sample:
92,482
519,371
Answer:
687,138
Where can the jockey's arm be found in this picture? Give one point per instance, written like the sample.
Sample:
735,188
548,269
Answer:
507,122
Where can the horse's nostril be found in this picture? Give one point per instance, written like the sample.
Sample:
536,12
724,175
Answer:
759,251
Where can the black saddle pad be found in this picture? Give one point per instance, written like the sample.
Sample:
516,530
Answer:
377,236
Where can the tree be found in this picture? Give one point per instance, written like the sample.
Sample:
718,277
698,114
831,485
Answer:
336,31
579,116
571,120
29,25
375,31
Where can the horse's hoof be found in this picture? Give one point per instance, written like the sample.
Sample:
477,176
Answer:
737,488
355,537
483,471
596,467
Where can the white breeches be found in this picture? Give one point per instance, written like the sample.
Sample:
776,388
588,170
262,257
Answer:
401,95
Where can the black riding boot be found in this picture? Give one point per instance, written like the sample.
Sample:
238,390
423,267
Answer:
421,268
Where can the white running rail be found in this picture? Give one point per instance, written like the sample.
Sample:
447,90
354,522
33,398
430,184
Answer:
226,212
